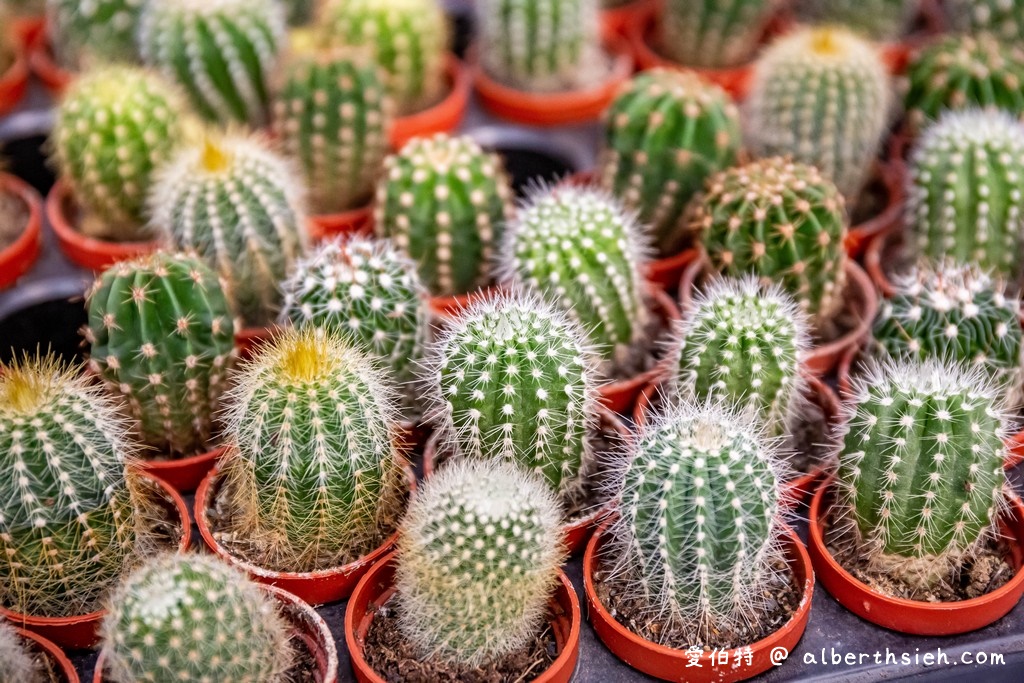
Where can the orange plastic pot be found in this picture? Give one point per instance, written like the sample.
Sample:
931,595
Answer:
443,117
670,664
184,474
859,236
615,21
40,58
377,587
26,30
14,82
328,226
18,258
446,308
59,662
249,339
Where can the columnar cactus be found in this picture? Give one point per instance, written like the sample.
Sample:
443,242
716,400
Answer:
316,475
782,221
194,618
478,558
222,52
114,127
965,190
1002,18
444,201
100,29
921,465
823,96
665,133
17,663
239,207
162,335
714,33
876,19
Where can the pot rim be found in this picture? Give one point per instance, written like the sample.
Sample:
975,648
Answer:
25,248
53,652
329,226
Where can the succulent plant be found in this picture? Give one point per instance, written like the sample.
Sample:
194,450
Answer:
875,19
444,201
194,618
17,663
714,33
100,30
239,207
222,52
823,96
1002,18
665,133
965,188
478,558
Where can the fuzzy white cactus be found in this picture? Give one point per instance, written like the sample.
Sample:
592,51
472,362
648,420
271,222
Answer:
17,663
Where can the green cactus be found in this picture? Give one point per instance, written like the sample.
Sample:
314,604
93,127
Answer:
114,127
1002,18
665,133
194,618
444,201
782,221
101,30
714,34
875,19
478,558
17,663
221,52
300,12
238,206
823,96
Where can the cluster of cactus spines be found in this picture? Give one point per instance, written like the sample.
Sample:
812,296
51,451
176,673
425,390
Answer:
714,34
162,336
513,378
1002,18
17,662
194,618
444,201
821,95
68,526
99,29
408,38
316,475
332,113
665,133
875,19
238,206
478,558
921,465
114,127
582,252
966,190
782,221
222,52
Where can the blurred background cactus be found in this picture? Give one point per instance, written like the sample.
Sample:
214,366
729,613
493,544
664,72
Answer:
875,19
1002,18
714,34
94,30
17,663
300,12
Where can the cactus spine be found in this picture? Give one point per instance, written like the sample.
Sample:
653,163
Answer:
1002,18
875,19
103,30
17,663
714,34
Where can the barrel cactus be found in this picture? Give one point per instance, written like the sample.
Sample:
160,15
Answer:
875,19
1002,18
17,663
714,34
97,30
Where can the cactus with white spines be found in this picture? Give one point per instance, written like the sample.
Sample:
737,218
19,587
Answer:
665,133
194,618
96,30
714,34
1002,18
444,201
490,598
876,19
17,662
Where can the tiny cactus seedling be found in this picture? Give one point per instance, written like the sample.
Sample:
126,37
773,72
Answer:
1002,18
99,29
193,618
17,663
665,133
489,598
714,34
876,19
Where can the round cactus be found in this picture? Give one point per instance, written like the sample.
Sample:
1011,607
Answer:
665,133
1002,18
478,558
17,663
193,618
876,19
98,29
443,200
714,33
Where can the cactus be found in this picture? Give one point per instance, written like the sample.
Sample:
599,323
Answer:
114,127
444,201
194,618
823,96
17,662
782,221
714,34
300,12
408,38
489,598
316,477
222,52
965,190
875,19
1002,18
921,465
665,133
101,30
238,206
162,335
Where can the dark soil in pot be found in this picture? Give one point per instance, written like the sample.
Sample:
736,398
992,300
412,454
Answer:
528,168
46,316
462,25
25,158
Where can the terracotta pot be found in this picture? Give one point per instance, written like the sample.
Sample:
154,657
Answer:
670,664
307,627
183,474
25,30
324,227
447,308
18,258
443,117
80,632
860,235
40,58
14,82
249,339
377,587
878,249
59,662
615,21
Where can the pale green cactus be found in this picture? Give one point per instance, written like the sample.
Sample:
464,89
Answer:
714,34
875,19
93,30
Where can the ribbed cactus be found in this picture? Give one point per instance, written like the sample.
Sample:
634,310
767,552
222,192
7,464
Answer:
965,189
222,52
714,33
316,476
782,221
821,95
515,379
17,663
114,127
478,558
875,19
162,336
193,618
444,201
332,114
101,30
582,252
67,512
238,205
408,38
665,133
921,465
1002,18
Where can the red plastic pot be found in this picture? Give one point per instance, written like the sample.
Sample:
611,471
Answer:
873,257
446,308
443,117
184,474
377,587
328,226
670,664
26,29
859,236
14,82
59,662
40,58
249,339
18,258
615,21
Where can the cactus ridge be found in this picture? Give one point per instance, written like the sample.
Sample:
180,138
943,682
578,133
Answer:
714,34
17,662
101,29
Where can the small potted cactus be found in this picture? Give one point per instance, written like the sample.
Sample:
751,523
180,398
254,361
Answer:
29,658
21,218
14,66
